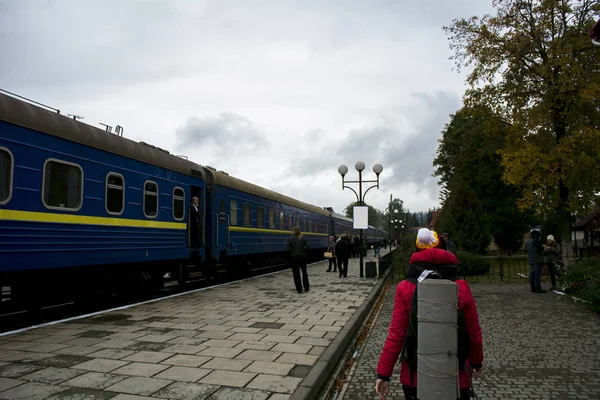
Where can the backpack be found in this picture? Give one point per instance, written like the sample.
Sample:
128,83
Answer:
409,350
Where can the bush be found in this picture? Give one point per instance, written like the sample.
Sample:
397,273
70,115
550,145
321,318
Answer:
582,280
471,264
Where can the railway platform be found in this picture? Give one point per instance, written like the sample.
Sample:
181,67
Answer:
256,339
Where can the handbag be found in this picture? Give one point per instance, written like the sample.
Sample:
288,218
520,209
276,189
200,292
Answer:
328,254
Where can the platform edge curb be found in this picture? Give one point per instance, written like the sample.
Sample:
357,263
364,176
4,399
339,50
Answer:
320,373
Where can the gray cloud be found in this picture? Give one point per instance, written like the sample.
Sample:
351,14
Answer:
228,133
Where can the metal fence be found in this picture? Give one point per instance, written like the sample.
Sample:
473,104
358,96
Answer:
501,269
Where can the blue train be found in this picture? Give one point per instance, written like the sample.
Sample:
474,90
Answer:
79,204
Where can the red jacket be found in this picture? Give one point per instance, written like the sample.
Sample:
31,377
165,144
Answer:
428,259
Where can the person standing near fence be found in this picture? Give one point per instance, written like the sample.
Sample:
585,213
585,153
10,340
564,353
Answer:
552,251
298,247
535,256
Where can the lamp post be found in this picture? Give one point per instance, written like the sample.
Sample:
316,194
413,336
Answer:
389,210
360,197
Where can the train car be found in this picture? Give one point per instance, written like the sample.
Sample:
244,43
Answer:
249,225
79,204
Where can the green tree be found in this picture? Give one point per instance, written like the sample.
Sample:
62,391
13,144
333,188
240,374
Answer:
464,218
533,63
468,150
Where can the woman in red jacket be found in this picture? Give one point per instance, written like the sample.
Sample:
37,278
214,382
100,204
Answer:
429,256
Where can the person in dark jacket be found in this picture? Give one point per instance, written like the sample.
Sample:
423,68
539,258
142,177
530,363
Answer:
343,250
194,223
331,249
535,256
298,246
552,253
428,256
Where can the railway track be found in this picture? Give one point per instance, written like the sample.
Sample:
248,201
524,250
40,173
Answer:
18,317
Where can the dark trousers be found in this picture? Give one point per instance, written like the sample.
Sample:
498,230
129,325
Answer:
299,263
552,272
411,393
343,266
535,276
332,262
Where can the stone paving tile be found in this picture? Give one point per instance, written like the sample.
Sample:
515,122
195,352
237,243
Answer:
186,391
82,394
140,369
17,370
275,383
100,365
258,355
185,360
147,356
228,378
139,385
94,380
7,383
31,391
226,364
536,347
52,375
251,340
267,367
226,393
183,374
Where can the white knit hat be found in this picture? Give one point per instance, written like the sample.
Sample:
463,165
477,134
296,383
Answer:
550,237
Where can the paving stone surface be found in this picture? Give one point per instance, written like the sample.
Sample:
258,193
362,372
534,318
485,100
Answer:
536,346
254,339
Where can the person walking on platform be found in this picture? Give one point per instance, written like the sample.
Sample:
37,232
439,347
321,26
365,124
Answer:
298,246
331,249
343,250
402,336
552,251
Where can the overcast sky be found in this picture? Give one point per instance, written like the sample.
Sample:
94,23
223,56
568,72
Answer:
278,93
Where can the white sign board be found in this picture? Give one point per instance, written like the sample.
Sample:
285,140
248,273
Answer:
361,217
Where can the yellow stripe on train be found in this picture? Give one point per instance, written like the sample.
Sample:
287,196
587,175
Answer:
274,231
29,216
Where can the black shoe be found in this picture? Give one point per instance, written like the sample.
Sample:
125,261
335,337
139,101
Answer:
540,290
306,290
340,275
299,291
329,270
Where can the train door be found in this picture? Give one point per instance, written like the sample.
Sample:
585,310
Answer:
196,237
222,217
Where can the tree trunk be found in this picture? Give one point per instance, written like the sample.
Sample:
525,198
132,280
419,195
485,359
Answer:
564,213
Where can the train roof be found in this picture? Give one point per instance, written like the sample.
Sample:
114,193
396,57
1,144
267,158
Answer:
30,116
224,179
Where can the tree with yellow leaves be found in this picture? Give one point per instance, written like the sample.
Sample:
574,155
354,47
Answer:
534,65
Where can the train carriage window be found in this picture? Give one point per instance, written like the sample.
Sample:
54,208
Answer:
6,175
178,203
272,219
310,225
114,198
260,217
222,212
298,221
281,220
150,199
233,207
305,225
63,185
290,222
247,215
